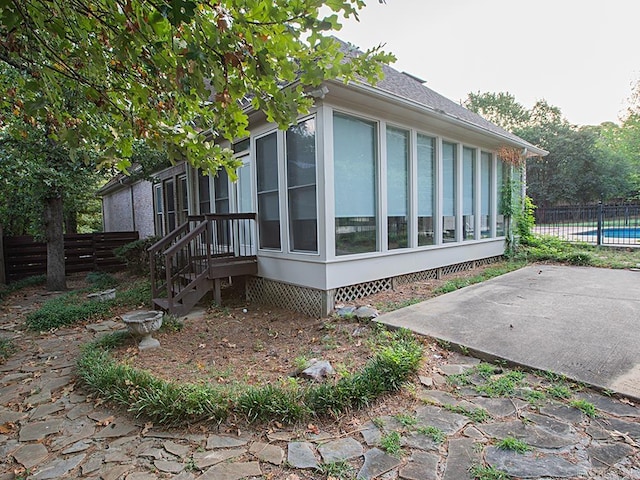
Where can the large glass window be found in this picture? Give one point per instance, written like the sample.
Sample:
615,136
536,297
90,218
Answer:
204,194
159,209
170,197
468,192
301,186
449,191
221,188
485,195
500,175
268,196
426,178
397,187
354,156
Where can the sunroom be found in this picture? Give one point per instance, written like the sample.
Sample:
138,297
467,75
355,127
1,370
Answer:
377,185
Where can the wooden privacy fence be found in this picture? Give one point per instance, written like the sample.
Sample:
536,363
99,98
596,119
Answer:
25,257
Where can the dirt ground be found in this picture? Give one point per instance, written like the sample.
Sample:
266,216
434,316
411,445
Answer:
243,343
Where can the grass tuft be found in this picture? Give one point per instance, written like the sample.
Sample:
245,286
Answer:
482,472
586,407
338,470
391,443
8,289
432,432
513,444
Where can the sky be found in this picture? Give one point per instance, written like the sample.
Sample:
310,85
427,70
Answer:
580,55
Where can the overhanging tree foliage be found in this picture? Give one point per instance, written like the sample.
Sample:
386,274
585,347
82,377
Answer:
169,71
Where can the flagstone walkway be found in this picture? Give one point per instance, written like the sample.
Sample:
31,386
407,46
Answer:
49,429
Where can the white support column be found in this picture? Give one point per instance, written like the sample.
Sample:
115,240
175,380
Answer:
438,195
459,181
326,185
413,190
383,223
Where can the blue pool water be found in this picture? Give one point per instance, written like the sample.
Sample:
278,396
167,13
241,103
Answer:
632,232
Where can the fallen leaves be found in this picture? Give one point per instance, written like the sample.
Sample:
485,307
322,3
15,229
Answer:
8,427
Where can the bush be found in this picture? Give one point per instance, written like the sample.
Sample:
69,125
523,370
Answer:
135,254
173,404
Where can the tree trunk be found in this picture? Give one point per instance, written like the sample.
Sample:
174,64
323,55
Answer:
53,222
3,273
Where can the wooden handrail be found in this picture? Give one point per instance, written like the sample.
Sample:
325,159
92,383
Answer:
169,252
230,216
170,237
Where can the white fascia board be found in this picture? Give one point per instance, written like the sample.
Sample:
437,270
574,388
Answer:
532,150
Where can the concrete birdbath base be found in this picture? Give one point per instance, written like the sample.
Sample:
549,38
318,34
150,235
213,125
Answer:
143,324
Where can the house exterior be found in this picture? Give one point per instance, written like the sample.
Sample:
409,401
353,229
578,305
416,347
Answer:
376,185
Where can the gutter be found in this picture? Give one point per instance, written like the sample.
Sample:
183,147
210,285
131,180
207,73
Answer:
530,150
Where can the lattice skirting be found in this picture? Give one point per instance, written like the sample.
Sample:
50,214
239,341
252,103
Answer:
305,300
318,303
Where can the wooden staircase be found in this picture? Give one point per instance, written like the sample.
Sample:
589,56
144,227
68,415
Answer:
191,261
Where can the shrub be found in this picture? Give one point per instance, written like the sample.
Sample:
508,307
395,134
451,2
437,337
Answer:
135,254
173,403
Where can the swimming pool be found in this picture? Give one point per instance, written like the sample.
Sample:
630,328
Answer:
627,232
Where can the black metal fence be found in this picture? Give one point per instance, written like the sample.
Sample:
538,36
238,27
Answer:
600,224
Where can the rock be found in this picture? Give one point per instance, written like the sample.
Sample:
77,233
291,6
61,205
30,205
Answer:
371,434
78,447
176,449
45,410
377,462
439,397
232,471
446,421
39,430
346,312
119,428
30,455
606,456
340,450
58,468
421,466
497,407
461,457
318,370
610,405
225,441
168,467
267,452
426,381
419,441
533,464
365,313
300,455
530,434
206,459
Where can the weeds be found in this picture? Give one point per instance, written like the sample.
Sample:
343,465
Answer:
481,472
513,444
457,283
432,432
406,420
501,386
586,407
559,392
478,415
390,443
338,470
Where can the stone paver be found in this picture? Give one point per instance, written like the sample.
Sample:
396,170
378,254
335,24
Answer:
64,434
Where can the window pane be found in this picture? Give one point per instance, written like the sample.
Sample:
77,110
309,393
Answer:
268,197
221,187
397,187
204,194
500,225
448,192
301,187
354,156
426,156
468,191
485,195
171,205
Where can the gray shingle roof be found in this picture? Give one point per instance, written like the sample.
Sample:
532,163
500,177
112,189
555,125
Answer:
407,87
